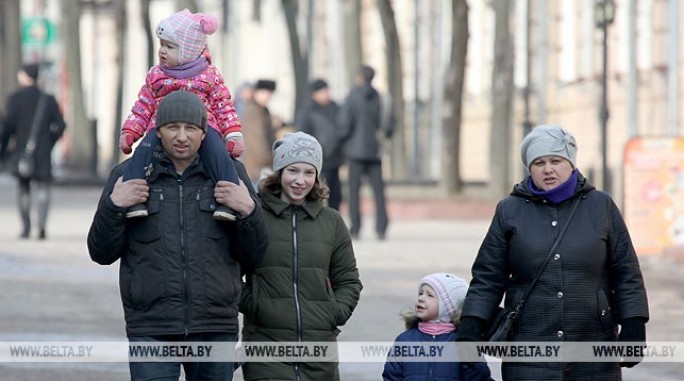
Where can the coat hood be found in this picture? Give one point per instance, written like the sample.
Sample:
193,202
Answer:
411,320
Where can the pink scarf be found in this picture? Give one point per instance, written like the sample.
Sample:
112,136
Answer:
436,328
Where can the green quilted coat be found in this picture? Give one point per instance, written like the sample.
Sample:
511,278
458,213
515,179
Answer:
305,288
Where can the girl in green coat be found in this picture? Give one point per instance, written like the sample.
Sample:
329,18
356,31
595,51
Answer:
308,284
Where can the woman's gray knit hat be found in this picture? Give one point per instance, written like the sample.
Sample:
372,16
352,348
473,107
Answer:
547,140
297,147
182,106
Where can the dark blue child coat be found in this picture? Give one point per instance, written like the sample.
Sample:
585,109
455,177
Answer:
433,371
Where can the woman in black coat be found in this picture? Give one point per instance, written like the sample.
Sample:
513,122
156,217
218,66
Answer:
592,288
23,110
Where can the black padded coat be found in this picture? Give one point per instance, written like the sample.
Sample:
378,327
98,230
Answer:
591,284
180,268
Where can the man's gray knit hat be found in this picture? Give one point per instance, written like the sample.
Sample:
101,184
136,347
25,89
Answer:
182,106
297,147
547,140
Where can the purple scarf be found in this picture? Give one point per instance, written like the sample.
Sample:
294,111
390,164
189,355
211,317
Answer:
558,194
187,70
436,328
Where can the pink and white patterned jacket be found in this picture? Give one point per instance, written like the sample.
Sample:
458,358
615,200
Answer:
221,114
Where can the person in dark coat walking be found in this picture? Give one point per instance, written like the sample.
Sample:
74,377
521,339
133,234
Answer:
363,123
592,288
180,268
318,118
29,108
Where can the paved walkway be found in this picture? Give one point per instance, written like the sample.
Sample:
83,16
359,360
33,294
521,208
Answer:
52,291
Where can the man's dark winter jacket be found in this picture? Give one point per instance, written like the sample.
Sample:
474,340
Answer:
591,284
320,121
436,370
363,117
21,107
180,268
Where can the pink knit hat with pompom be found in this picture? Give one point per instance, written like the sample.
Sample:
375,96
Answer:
189,31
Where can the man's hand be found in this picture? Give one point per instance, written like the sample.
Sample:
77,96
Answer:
129,193
235,197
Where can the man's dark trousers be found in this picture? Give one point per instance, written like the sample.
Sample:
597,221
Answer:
332,179
373,170
194,371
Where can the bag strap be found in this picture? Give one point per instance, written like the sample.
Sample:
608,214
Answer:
31,143
520,303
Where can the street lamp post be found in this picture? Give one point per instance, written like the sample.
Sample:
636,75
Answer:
604,13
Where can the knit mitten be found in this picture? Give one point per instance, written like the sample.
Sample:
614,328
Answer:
633,330
470,330
235,144
126,142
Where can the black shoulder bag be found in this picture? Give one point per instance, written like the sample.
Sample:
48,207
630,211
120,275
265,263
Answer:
500,329
26,160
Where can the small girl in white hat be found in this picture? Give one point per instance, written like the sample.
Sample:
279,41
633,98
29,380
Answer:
435,319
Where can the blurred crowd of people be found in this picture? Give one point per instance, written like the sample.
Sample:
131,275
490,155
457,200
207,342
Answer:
351,134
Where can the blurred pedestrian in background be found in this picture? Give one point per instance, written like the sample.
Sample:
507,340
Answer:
591,283
31,128
259,131
243,95
363,124
308,284
3,163
318,118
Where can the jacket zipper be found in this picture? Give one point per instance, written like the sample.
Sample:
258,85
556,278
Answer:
295,281
429,377
186,297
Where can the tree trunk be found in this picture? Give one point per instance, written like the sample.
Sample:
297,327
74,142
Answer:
256,11
353,48
453,97
300,61
81,144
149,35
10,46
395,80
121,32
502,102
191,5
